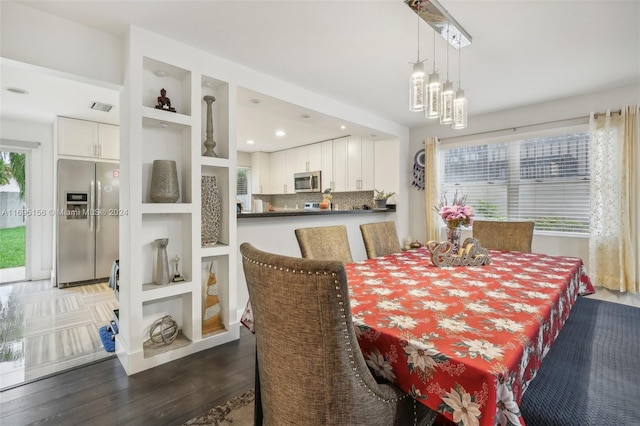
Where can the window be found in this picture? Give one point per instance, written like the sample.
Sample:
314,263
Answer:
243,187
544,178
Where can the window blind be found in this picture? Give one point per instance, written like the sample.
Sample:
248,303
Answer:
542,178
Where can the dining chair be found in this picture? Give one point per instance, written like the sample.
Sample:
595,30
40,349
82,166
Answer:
325,243
310,366
380,238
508,236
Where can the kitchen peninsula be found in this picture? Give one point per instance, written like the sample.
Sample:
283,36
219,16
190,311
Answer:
275,232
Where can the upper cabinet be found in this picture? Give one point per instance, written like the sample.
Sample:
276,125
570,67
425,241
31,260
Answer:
307,158
81,138
260,174
353,164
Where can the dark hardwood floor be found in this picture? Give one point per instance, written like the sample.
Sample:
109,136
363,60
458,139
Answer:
103,394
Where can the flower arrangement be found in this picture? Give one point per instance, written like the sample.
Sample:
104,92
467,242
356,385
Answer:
455,214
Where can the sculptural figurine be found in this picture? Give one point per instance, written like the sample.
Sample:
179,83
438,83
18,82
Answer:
164,102
176,274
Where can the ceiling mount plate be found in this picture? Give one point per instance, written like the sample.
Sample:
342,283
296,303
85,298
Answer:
439,19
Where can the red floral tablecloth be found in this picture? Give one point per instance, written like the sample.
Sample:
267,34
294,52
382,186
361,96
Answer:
465,341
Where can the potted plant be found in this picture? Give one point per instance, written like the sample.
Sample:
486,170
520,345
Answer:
380,199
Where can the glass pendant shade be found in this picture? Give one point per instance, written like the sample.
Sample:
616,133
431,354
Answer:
432,109
448,96
416,88
459,111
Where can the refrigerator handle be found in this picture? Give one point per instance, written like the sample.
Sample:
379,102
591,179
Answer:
92,205
99,206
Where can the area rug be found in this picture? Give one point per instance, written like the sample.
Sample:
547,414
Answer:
237,412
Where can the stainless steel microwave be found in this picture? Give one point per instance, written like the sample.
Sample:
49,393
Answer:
307,182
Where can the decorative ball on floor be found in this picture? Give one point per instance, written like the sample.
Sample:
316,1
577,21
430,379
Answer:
164,331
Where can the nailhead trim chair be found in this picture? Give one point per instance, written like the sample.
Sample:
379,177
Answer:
508,236
325,243
380,239
310,365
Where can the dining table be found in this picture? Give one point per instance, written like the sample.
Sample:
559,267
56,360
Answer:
463,340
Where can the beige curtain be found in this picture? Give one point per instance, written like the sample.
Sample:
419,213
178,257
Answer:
431,187
614,247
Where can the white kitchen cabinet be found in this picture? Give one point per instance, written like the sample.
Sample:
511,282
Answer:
340,165
153,134
326,166
308,158
260,173
360,159
82,138
278,172
386,165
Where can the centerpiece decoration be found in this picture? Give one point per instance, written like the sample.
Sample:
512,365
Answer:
454,215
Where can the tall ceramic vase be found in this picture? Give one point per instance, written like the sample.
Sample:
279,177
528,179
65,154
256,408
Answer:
164,182
161,274
211,211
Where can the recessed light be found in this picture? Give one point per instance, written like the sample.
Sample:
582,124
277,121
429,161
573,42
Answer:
251,141
255,101
17,90
343,127
280,133
160,73
207,84
164,124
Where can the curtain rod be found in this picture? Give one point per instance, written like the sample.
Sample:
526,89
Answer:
596,114
20,144
514,128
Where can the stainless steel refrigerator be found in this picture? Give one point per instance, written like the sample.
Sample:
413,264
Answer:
87,216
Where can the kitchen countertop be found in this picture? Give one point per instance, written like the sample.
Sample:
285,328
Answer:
283,213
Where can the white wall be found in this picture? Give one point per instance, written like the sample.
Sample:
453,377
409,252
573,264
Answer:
244,159
40,229
562,109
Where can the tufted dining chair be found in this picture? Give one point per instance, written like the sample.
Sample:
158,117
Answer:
324,243
508,236
380,238
310,367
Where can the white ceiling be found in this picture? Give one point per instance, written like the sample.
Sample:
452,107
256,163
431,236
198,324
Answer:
358,52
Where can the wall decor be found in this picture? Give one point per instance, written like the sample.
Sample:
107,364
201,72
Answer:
469,254
164,182
164,103
211,211
418,170
209,143
212,318
163,331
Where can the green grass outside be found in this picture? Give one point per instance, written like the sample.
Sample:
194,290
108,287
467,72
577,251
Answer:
12,247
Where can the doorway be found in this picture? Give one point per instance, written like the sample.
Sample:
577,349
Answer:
13,215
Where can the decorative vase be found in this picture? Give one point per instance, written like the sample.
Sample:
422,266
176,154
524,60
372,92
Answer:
453,236
161,274
209,143
211,211
164,182
212,317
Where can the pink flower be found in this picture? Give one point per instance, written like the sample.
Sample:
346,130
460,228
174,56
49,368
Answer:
455,214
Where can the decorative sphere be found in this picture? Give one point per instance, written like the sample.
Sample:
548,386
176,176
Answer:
164,331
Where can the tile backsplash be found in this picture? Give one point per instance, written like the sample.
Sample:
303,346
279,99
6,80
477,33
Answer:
340,201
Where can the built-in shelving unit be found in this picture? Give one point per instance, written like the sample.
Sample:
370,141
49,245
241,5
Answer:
155,134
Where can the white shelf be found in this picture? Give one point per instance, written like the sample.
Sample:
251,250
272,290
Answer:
215,161
216,250
164,208
152,291
155,117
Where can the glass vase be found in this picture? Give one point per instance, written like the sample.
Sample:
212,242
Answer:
453,236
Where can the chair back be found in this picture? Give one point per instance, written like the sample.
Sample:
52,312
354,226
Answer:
380,238
325,243
311,369
508,236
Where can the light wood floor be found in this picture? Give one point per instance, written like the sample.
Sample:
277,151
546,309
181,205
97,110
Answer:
48,330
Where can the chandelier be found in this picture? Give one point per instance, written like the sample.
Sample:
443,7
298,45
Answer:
428,94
